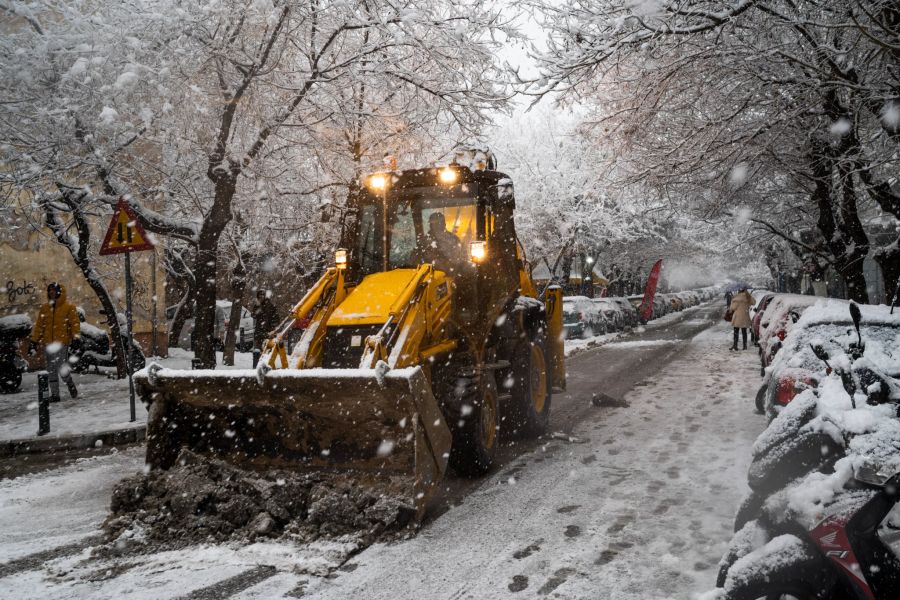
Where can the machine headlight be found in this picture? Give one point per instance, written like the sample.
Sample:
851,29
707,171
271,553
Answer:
477,251
340,258
378,181
447,175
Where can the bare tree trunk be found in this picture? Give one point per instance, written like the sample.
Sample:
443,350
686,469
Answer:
206,268
180,317
846,239
888,258
79,251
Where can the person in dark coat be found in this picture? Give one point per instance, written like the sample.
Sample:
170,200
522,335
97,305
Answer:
265,318
440,247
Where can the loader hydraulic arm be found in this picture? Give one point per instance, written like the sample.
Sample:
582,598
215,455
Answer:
398,342
330,288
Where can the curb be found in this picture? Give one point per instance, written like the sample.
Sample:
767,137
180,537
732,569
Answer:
78,441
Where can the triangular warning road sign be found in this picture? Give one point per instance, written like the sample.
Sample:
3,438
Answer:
125,233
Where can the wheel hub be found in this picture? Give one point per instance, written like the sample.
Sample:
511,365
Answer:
489,418
538,379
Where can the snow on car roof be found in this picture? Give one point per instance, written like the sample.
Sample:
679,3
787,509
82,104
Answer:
778,309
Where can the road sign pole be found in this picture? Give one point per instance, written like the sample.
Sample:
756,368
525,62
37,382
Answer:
125,235
128,342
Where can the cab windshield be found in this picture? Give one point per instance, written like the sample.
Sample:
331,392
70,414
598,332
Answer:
431,224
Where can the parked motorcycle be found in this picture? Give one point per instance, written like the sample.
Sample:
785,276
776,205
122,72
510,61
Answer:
799,441
807,451
845,554
96,351
12,329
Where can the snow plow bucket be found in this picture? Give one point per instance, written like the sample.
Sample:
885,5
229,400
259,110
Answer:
382,429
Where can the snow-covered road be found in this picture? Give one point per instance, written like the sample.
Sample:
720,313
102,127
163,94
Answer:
637,504
640,506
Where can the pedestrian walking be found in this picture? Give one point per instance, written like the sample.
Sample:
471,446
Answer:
740,315
57,328
265,318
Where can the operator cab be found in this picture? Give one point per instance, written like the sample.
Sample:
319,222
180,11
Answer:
441,215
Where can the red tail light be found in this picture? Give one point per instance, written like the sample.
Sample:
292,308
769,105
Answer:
781,333
788,388
785,392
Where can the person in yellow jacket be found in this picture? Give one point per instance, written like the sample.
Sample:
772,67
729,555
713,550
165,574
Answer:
57,328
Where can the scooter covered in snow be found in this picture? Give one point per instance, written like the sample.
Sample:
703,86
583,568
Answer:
849,552
12,329
801,440
96,350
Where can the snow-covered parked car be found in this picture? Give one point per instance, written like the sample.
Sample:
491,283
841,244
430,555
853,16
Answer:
674,302
756,313
244,333
581,318
629,312
827,325
611,312
245,329
779,318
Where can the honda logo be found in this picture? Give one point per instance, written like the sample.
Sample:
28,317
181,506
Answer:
829,539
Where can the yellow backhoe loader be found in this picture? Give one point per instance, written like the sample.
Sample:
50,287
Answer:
424,340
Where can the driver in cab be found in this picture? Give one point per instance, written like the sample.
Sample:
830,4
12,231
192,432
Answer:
441,247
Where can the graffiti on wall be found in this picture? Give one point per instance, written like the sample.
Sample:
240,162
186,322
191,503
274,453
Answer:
17,294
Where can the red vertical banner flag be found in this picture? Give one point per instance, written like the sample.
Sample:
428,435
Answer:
646,309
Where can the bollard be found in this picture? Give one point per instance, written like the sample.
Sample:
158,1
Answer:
256,355
43,403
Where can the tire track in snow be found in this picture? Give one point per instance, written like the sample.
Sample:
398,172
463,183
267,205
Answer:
233,585
36,560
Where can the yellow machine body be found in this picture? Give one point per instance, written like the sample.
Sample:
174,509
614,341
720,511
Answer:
355,395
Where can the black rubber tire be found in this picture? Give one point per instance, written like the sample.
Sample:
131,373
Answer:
750,509
529,417
761,399
474,446
804,453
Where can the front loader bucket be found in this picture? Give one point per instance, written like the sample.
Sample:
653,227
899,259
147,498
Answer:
380,429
